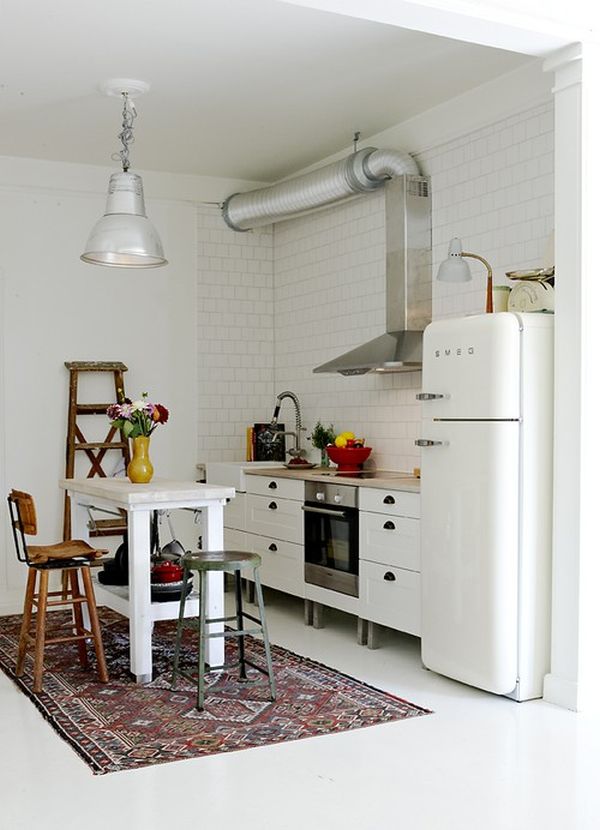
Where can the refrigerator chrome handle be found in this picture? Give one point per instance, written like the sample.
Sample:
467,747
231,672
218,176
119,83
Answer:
426,442
428,396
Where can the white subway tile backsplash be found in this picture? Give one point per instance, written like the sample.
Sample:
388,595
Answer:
493,188
275,302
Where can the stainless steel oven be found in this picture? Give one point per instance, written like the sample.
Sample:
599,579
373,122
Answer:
331,536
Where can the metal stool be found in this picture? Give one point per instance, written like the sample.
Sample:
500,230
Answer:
224,560
71,557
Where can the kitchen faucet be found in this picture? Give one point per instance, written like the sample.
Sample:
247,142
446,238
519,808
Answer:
296,451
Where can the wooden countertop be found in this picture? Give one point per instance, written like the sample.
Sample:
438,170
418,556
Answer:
387,480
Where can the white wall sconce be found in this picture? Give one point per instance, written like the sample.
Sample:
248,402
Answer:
455,269
124,237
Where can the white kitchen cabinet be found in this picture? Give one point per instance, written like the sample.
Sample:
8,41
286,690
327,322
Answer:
267,519
275,530
275,517
282,563
390,539
389,560
390,596
390,502
283,488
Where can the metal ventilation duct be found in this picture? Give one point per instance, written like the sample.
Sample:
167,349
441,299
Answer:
361,172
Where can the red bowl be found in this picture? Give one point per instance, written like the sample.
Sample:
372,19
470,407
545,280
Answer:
348,459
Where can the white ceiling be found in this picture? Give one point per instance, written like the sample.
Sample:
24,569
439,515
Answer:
252,89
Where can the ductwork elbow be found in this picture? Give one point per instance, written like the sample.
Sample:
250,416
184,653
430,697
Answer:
361,172
386,164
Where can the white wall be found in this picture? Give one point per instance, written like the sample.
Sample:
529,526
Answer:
56,308
493,187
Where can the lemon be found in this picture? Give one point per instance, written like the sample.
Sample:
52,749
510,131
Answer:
341,441
349,436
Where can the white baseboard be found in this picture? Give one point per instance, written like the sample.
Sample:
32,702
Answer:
561,692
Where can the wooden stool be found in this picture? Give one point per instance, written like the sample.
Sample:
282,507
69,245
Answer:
72,557
224,560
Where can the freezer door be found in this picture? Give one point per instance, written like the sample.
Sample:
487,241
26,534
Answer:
469,552
472,366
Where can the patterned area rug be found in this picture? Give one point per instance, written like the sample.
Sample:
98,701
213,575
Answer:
123,726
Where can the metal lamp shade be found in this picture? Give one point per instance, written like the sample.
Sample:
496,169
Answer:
124,237
454,268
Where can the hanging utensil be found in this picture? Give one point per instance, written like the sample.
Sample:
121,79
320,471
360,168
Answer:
173,550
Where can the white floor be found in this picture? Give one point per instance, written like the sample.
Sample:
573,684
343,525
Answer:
478,762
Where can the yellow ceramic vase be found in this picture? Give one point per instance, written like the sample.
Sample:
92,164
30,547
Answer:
140,469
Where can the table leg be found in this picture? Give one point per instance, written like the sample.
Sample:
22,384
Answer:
80,530
212,517
140,618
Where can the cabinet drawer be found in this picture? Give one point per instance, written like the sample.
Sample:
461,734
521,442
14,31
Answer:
390,540
282,563
390,596
284,488
394,502
234,513
274,516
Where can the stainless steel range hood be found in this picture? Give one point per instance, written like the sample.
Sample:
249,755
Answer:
408,284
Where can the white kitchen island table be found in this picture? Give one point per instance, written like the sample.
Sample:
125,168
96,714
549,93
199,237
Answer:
139,500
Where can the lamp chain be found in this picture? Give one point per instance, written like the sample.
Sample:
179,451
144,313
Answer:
126,135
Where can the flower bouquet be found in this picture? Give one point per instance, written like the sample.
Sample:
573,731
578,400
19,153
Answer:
138,420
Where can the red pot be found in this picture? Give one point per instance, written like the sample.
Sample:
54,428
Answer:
167,572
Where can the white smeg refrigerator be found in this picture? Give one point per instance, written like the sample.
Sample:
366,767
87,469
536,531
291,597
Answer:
486,500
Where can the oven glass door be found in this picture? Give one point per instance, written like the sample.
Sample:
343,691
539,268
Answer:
331,547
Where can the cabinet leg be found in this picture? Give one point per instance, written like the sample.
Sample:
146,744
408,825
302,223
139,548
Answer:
361,631
250,591
308,612
318,615
373,632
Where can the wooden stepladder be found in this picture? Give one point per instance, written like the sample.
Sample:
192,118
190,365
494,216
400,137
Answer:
95,451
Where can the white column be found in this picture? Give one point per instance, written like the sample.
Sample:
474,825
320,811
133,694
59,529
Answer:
575,665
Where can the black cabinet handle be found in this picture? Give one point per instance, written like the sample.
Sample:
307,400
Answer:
389,526
273,505
272,485
272,546
389,576
389,500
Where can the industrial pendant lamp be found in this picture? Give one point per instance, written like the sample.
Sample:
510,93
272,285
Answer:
124,237
455,269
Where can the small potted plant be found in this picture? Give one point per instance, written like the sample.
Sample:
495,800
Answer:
322,436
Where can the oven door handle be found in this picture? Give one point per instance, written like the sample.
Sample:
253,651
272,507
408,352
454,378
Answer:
339,514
